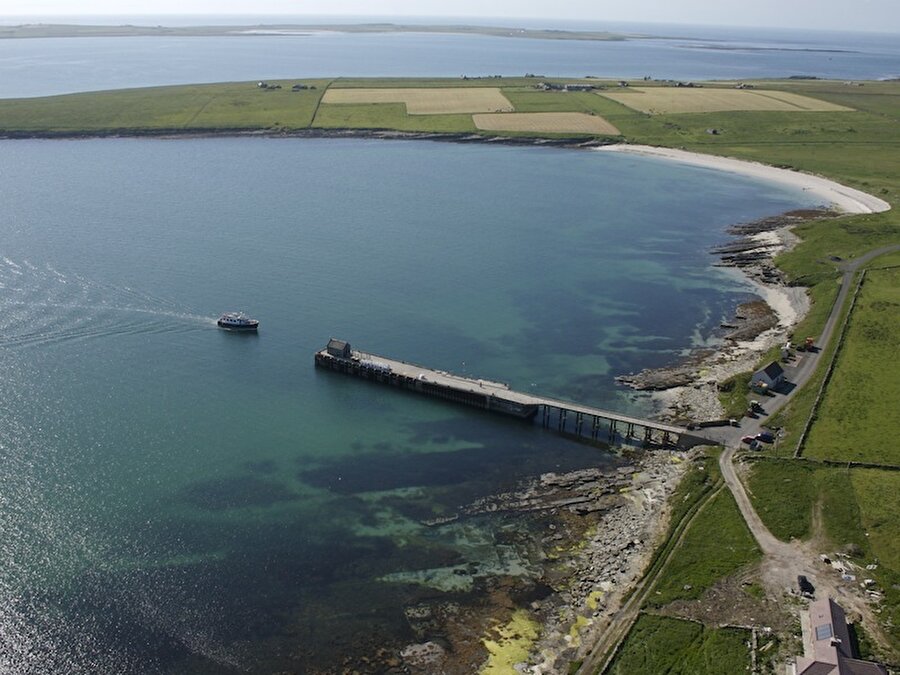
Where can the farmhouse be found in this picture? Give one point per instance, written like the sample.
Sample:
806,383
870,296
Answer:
827,649
771,376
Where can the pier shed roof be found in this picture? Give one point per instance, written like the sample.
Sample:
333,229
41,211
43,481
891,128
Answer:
338,348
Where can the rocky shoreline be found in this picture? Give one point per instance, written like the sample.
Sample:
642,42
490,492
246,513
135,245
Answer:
596,532
687,390
578,142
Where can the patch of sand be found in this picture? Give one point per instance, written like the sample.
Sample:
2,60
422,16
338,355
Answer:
844,198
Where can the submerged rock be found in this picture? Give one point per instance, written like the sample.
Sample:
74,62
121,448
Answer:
424,655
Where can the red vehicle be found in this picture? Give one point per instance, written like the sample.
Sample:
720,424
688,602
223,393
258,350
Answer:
748,439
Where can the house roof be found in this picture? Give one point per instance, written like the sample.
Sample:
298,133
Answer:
773,370
857,667
334,343
830,650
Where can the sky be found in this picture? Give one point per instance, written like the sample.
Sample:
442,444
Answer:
866,15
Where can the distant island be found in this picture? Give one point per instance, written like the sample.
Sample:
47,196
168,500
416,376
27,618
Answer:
41,30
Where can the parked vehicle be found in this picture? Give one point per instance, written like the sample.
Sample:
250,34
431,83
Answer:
806,588
748,439
765,437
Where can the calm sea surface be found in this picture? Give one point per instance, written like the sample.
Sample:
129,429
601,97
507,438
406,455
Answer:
177,499
39,67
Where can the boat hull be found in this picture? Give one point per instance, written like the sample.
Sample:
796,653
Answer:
243,328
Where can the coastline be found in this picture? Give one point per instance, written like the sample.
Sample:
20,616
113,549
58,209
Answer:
846,199
698,399
31,31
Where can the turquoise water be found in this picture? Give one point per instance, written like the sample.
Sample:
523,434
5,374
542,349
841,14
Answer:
174,498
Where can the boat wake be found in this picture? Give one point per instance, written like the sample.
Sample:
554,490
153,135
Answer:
44,305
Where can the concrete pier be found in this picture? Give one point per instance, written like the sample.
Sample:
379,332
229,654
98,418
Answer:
564,416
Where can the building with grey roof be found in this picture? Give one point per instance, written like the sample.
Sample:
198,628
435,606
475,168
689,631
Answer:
827,649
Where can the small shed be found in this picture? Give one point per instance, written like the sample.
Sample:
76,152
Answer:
771,376
338,348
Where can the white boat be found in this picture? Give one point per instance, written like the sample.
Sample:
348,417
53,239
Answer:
237,321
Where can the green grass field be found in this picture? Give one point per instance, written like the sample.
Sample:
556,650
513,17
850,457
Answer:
658,644
785,493
232,106
864,393
716,544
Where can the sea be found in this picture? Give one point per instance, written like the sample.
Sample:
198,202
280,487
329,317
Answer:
179,499
41,67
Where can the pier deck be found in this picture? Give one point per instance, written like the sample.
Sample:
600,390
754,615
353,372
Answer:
498,397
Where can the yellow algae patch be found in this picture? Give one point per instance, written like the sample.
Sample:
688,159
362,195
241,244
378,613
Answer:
593,600
573,639
546,122
428,101
665,100
513,643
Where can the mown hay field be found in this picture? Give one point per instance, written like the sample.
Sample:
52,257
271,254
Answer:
432,101
670,100
549,122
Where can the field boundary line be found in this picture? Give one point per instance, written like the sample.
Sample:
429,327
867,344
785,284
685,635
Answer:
312,120
199,111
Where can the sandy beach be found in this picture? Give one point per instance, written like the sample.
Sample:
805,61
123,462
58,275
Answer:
841,197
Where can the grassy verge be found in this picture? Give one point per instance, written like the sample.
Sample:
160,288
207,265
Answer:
695,486
783,494
658,644
786,492
716,544
734,395
792,417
